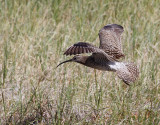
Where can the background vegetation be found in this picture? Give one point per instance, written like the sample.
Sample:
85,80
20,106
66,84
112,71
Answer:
35,33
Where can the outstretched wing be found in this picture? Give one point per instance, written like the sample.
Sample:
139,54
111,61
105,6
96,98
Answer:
83,47
80,47
110,40
129,73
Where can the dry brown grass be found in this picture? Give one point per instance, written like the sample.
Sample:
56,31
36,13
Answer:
34,35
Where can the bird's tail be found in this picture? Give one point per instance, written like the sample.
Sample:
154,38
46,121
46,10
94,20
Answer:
128,73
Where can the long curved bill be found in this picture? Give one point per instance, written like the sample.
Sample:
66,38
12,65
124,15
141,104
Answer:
65,62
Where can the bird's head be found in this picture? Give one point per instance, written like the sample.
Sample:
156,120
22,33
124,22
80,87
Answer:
77,58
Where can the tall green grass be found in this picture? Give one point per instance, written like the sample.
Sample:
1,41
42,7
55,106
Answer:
34,35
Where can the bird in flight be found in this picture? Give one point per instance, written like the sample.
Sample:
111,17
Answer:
106,56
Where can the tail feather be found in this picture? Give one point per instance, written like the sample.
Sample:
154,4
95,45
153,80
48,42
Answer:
128,73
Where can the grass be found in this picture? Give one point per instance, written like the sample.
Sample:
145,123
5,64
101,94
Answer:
34,35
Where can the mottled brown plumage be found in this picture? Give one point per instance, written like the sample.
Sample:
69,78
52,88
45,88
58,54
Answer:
107,56
110,40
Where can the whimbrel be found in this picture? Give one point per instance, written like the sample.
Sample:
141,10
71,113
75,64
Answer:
107,56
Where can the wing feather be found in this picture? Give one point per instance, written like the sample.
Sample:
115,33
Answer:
110,40
80,47
129,73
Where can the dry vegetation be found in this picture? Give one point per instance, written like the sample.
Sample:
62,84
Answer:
34,35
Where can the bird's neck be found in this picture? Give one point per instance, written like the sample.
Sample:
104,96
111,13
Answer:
83,60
